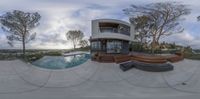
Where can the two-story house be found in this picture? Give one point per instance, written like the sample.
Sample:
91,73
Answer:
111,36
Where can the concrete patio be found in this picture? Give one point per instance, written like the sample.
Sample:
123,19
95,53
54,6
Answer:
19,80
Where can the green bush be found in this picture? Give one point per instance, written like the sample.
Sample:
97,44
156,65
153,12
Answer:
33,57
53,53
7,57
30,56
87,48
136,46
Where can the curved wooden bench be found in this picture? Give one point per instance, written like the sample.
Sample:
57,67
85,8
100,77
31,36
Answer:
122,58
179,54
174,58
149,59
106,58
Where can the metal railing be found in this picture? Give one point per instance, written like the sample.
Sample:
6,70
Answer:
113,30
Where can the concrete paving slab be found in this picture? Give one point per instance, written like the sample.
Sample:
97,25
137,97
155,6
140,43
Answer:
19,80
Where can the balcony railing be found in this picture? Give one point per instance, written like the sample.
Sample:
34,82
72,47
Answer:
113,30
108,29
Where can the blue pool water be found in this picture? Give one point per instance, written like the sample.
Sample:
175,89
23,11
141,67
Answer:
61,62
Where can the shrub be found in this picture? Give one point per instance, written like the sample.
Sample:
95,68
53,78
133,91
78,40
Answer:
53,53
136,46
7,56
33,57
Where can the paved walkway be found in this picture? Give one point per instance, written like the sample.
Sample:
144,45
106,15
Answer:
19,80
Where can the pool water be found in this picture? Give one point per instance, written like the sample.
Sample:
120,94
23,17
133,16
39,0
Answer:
61,62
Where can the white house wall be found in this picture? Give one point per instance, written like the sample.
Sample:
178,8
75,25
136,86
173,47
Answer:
97,34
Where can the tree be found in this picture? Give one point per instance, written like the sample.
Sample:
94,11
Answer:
75,36
163,19
83,43
18,25
141,28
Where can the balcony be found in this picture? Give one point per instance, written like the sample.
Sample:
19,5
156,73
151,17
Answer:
114,28
108,29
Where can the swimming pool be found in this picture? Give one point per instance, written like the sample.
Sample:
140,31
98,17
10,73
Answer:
61,62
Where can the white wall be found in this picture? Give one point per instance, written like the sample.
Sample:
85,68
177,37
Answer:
97,34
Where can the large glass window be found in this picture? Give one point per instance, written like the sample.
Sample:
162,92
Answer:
124,29
114,46
105,27
108,29
96,45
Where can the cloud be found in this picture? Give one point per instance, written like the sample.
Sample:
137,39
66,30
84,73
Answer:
59,16
185,36
185,39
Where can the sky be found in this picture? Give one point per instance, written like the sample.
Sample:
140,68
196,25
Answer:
60,16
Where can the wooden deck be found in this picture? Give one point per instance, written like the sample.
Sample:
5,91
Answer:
119,58
108,58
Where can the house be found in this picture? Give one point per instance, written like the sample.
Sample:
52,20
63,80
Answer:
111,36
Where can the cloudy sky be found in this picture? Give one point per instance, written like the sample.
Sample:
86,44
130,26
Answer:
59,16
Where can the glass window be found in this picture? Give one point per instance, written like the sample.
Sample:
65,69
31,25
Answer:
124,30
108,29
114,46
96,45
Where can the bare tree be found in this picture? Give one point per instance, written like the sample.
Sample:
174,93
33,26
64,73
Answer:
141,27
18,25
83,43
75,36
163,18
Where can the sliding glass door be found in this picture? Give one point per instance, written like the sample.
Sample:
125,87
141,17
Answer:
114,46
96,45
